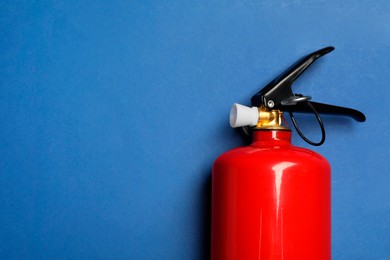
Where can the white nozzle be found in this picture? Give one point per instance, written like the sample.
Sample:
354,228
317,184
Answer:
243,116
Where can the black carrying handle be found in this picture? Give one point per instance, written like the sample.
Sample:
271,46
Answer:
328,109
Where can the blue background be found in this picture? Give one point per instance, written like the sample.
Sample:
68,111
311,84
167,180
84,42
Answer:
112,113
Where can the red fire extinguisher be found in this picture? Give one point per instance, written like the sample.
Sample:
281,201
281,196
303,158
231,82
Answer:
271,200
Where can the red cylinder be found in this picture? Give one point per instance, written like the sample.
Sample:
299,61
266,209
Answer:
271,200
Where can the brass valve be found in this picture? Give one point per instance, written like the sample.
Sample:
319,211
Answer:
269,119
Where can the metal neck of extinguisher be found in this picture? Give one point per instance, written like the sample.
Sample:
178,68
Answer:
277,97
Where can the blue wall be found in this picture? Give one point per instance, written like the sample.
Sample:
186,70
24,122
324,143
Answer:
113,113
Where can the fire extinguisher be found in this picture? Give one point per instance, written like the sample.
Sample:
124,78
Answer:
271,199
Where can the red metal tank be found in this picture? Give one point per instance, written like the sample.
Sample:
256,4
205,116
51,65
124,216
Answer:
271,200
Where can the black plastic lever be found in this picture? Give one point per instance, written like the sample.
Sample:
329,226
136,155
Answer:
279,89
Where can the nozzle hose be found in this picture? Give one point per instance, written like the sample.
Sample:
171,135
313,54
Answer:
308,103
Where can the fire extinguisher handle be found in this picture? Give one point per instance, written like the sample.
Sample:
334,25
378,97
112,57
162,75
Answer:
278,95
327,109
